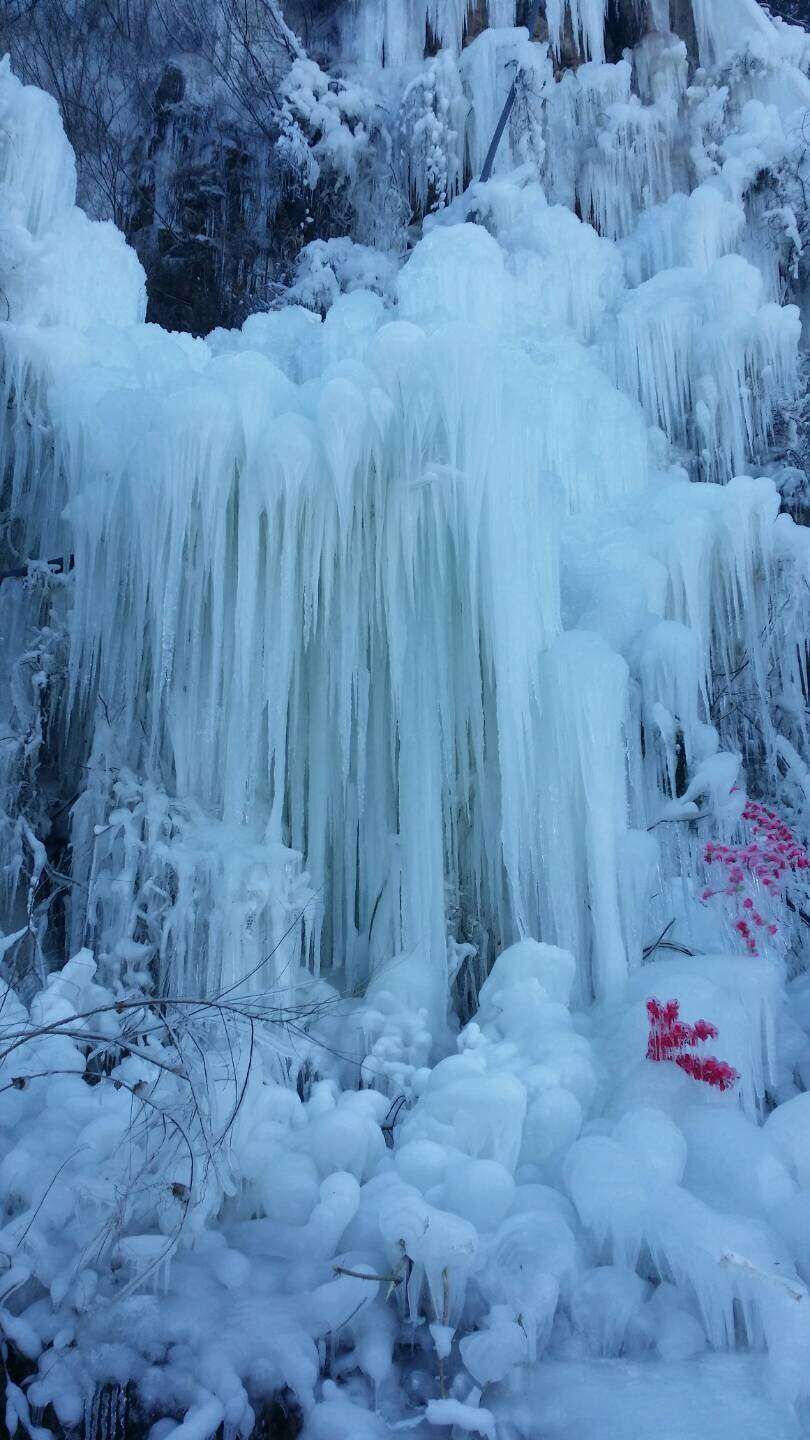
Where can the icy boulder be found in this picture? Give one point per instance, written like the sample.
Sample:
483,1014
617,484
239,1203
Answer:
58,267
466,1105
516,1092
742,996
552,969
605,1304
718,1261
456,274
788,1129
491,1352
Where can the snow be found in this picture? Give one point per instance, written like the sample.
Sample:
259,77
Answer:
420,634
725,1395
469,1419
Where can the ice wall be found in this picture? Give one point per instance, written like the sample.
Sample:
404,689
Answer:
393,31
341,586
394,635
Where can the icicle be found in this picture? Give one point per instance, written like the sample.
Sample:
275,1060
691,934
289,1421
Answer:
501,12
697,345
724,26
587,19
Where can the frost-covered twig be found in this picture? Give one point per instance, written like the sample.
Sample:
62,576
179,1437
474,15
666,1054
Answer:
730,1261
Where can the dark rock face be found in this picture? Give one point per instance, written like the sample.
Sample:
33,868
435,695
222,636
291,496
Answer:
282,1419
797,11
623,28
192,212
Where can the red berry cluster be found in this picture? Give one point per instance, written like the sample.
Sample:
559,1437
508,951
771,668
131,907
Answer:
671,1039
768,858
709,1070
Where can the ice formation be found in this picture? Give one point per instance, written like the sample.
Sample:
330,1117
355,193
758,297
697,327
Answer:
400,660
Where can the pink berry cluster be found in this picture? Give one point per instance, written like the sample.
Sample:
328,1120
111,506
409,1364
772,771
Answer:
671,1039
766,860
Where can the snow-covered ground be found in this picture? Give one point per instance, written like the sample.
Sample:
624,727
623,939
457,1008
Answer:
405,793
